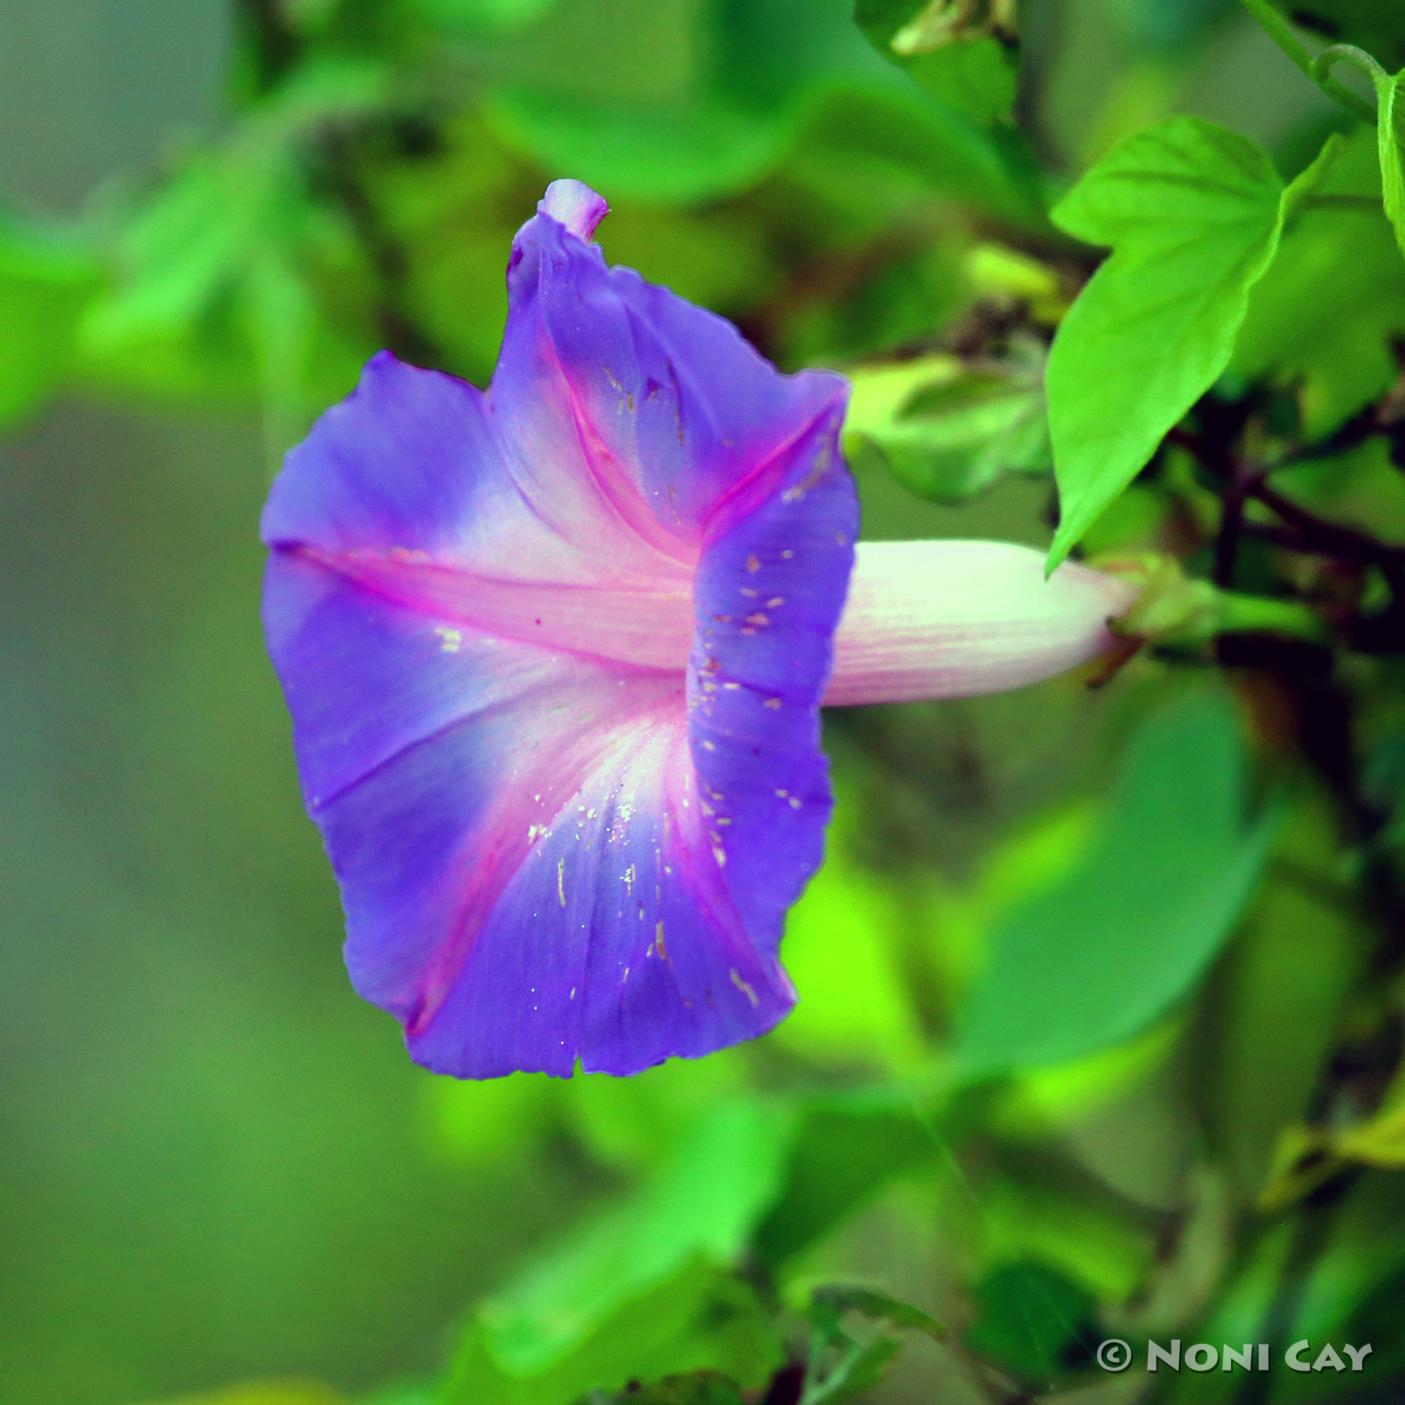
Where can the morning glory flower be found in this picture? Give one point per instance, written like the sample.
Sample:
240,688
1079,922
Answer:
555,654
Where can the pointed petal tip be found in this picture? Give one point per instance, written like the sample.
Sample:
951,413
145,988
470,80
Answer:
575,206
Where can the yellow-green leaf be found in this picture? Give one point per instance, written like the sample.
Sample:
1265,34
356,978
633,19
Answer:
1192,213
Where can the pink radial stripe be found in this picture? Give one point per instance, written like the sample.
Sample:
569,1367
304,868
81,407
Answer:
639,623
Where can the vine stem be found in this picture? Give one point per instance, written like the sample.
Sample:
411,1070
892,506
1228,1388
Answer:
1349,53
1281,32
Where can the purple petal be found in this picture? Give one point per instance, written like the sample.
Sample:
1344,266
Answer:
769,591
659,405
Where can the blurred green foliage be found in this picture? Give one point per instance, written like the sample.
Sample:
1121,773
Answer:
1322,320
965,54
1102,992
1174,847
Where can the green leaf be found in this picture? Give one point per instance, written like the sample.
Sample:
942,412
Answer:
727,91
702,1202
1380,1139
1129,930
696,147
202,234
1389,142
577,96
846,1150
844,1368
948,431
697,1318
1390,129
1279,1004
1357,486
964,54
179,253
45,285
1193,215
1031,1317
630,1292
217,270
832,1301
857,1369
1323,319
